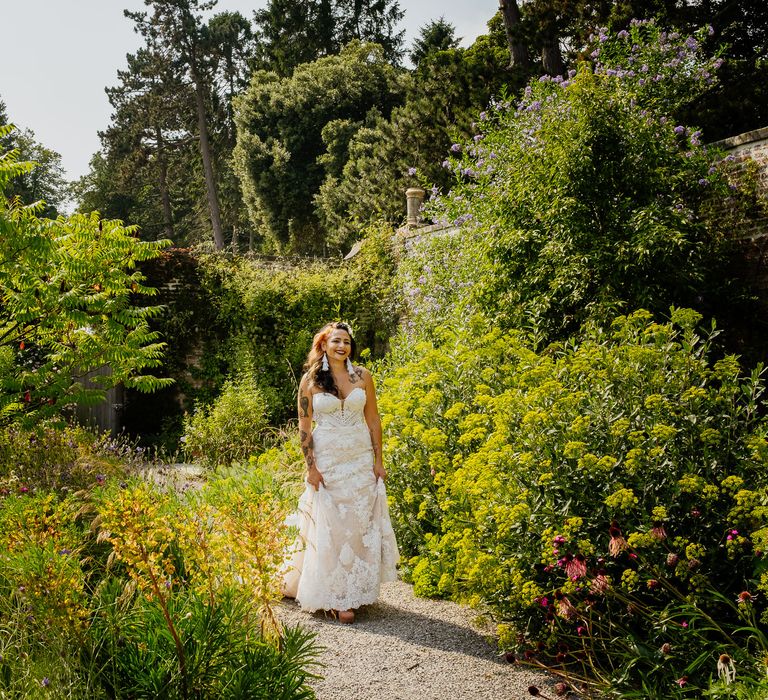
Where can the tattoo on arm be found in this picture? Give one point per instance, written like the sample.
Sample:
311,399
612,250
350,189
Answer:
308,447
304,405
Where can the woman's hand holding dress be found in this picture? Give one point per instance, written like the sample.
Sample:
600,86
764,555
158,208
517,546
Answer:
315,478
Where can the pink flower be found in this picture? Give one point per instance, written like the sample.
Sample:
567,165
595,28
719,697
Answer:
564,606
617,544
745,597
682,681
576,567
581,630
684,624
544,601
558,540
600,584
658,531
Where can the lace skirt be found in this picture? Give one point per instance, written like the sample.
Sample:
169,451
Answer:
346,546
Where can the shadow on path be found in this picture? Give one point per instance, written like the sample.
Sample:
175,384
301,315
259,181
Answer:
384,619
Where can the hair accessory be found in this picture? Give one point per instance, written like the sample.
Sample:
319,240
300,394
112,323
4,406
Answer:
345,327
325,362
350,368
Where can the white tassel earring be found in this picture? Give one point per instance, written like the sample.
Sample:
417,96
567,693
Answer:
350,368
325,362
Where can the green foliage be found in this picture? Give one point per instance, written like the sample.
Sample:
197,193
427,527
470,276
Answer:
68,289
45,183
230,429
587,198
125,590
267,314
603,498
437,35
224,660
369,167
280,124
293,33
230,316
62,460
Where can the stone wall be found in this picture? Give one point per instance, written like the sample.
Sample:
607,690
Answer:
749,152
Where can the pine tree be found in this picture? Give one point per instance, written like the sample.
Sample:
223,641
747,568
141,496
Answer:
437,35
176,27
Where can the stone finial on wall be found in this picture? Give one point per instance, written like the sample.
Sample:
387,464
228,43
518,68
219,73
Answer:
415,198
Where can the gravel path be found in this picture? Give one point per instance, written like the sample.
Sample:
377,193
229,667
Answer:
408,648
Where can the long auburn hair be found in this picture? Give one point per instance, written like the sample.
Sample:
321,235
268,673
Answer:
323,379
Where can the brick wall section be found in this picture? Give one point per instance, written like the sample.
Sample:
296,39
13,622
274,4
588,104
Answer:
750,145
750,150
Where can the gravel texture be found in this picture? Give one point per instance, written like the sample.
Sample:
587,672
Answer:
408,648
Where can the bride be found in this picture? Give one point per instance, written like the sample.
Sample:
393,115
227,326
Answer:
346,547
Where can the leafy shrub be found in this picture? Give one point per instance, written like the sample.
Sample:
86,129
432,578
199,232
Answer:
70,291
127,590
232,428
229,316
587,197
51,458
606,498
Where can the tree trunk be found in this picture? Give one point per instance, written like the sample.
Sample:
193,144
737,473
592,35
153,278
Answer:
518,51
551,56
162,177
205,152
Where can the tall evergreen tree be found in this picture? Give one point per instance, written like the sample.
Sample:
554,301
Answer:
437,35
292,33
148,103
178,29
281,127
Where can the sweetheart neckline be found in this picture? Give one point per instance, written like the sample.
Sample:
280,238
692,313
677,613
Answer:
328,393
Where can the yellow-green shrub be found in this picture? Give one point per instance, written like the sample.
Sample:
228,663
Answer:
511,470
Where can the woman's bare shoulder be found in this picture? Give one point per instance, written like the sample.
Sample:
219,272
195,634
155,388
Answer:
305,384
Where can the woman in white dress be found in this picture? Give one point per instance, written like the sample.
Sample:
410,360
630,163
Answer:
346,546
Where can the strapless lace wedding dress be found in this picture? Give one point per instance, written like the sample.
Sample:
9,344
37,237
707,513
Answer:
346,546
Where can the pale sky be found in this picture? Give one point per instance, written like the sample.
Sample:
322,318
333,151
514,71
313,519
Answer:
57,56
